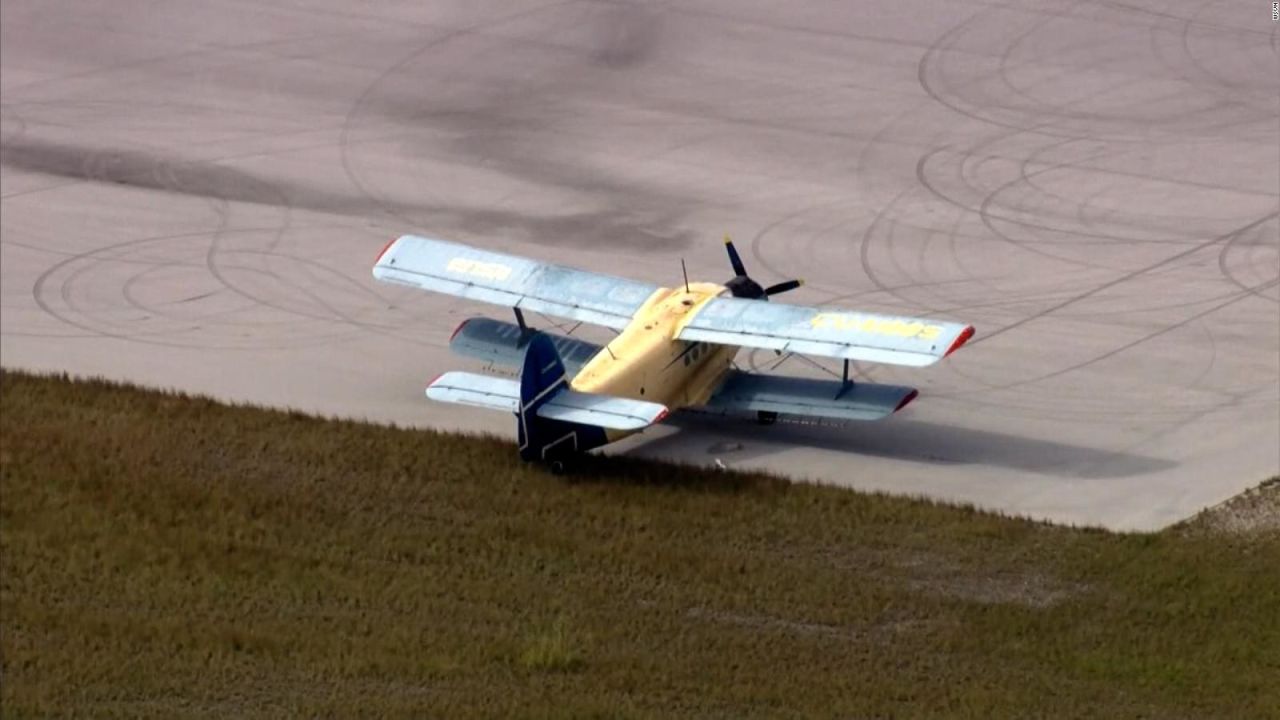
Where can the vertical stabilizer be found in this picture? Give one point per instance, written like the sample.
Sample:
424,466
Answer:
542,377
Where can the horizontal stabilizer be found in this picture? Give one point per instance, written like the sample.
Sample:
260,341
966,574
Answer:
602,410
494,393
746,392
479,390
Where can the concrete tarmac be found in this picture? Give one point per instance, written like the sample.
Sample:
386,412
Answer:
194,192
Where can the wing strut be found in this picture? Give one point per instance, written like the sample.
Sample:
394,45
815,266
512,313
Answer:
845,383
525,328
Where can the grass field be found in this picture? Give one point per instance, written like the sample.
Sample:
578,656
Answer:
166,556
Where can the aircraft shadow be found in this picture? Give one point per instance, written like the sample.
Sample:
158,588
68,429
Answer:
733,439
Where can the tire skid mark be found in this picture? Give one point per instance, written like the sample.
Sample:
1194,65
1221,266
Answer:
1216,82
1062,109
989,218
1025,119
166,59
164,175
359,107
983,209
39,292
876,140
332,312
1126,277
1135,342
759,257
91,260
1225,269
1081,220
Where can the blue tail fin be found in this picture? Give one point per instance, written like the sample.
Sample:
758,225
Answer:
542,378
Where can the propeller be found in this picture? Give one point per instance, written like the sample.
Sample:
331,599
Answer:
782,287
744,287
734,259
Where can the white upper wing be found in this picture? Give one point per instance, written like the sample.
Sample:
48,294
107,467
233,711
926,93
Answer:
830,332
468,272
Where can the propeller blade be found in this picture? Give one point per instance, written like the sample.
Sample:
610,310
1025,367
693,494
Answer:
734,260
783,287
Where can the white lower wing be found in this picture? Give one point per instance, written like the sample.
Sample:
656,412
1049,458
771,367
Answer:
493,393
468,272
829,332
806,397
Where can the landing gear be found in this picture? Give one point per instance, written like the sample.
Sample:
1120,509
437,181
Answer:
766,417
558,467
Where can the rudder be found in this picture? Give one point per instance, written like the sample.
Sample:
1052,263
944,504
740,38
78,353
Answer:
542,377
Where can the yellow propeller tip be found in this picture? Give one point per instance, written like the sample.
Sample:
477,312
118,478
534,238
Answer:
727,240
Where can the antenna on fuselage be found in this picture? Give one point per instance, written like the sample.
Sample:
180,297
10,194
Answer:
684,272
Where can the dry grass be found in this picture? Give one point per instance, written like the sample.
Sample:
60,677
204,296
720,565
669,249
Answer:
1257,510
168,556
552,648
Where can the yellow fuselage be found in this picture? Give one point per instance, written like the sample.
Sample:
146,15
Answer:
646,362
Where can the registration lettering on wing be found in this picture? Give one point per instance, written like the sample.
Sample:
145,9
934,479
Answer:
891,327
479,268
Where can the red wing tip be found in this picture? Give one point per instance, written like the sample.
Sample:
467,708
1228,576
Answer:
961,340
384,250
907,400
459,329
661,416
434,379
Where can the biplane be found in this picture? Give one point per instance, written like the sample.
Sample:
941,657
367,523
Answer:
674,349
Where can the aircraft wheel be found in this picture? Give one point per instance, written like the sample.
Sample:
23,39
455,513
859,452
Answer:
558,467
766,417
